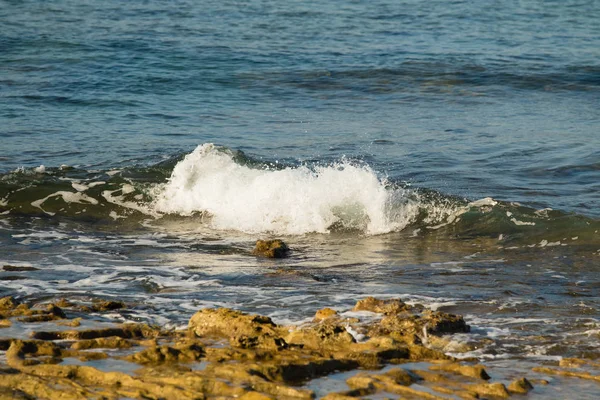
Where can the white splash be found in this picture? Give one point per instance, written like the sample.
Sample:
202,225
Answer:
288,201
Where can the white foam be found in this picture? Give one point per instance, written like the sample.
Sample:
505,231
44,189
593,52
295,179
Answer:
521,223
289,201
450,213
68,197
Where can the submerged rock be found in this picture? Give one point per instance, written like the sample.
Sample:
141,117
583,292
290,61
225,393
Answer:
271,248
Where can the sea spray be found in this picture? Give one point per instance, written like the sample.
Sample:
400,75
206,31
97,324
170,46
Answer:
286,201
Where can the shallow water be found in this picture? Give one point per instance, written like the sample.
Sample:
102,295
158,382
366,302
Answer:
442,152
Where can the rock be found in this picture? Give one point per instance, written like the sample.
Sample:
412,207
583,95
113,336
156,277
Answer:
577,362
389,383
126,331
271,248
472,371
438,323
388,307
414,329
16,355
325,313
563,372
255,396
167,354
64,303
14,268
243,330
114,342
520,386
74,323
8,303
108,305
51,313
324,335
5,323
489,389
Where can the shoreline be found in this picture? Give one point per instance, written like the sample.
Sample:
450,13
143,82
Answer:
386,348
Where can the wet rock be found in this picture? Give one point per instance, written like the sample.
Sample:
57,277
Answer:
242,330
107,305
520,386
14,268
92,356
12,278
256,376
8,303
438,323
388,307
393,383
489,389
325,335
126,331
64,303
271,248
325,313
19,350
414,329
114,342
563,372
5,323
418,352
350,394
255,396
473,371
51,313
577,362
297,371
166,354
74,323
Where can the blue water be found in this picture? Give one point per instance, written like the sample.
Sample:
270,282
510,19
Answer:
463,100
469,98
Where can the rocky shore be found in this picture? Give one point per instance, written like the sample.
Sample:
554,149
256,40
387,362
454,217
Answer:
387,348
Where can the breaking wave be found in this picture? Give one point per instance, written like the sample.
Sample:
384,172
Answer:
291,200
222,189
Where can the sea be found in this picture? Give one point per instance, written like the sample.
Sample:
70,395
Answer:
446,153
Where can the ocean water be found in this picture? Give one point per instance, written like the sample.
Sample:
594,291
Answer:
444,152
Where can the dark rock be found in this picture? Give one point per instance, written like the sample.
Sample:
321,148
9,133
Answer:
271,248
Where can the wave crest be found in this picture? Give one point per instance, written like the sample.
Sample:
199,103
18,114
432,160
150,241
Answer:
292,200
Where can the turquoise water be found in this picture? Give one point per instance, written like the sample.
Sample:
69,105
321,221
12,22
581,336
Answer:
447,152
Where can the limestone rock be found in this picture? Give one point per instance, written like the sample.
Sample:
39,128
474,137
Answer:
271,248
168,354
472,371
388,307
325,313
8,303
243,330
520,386
489,389
321,336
